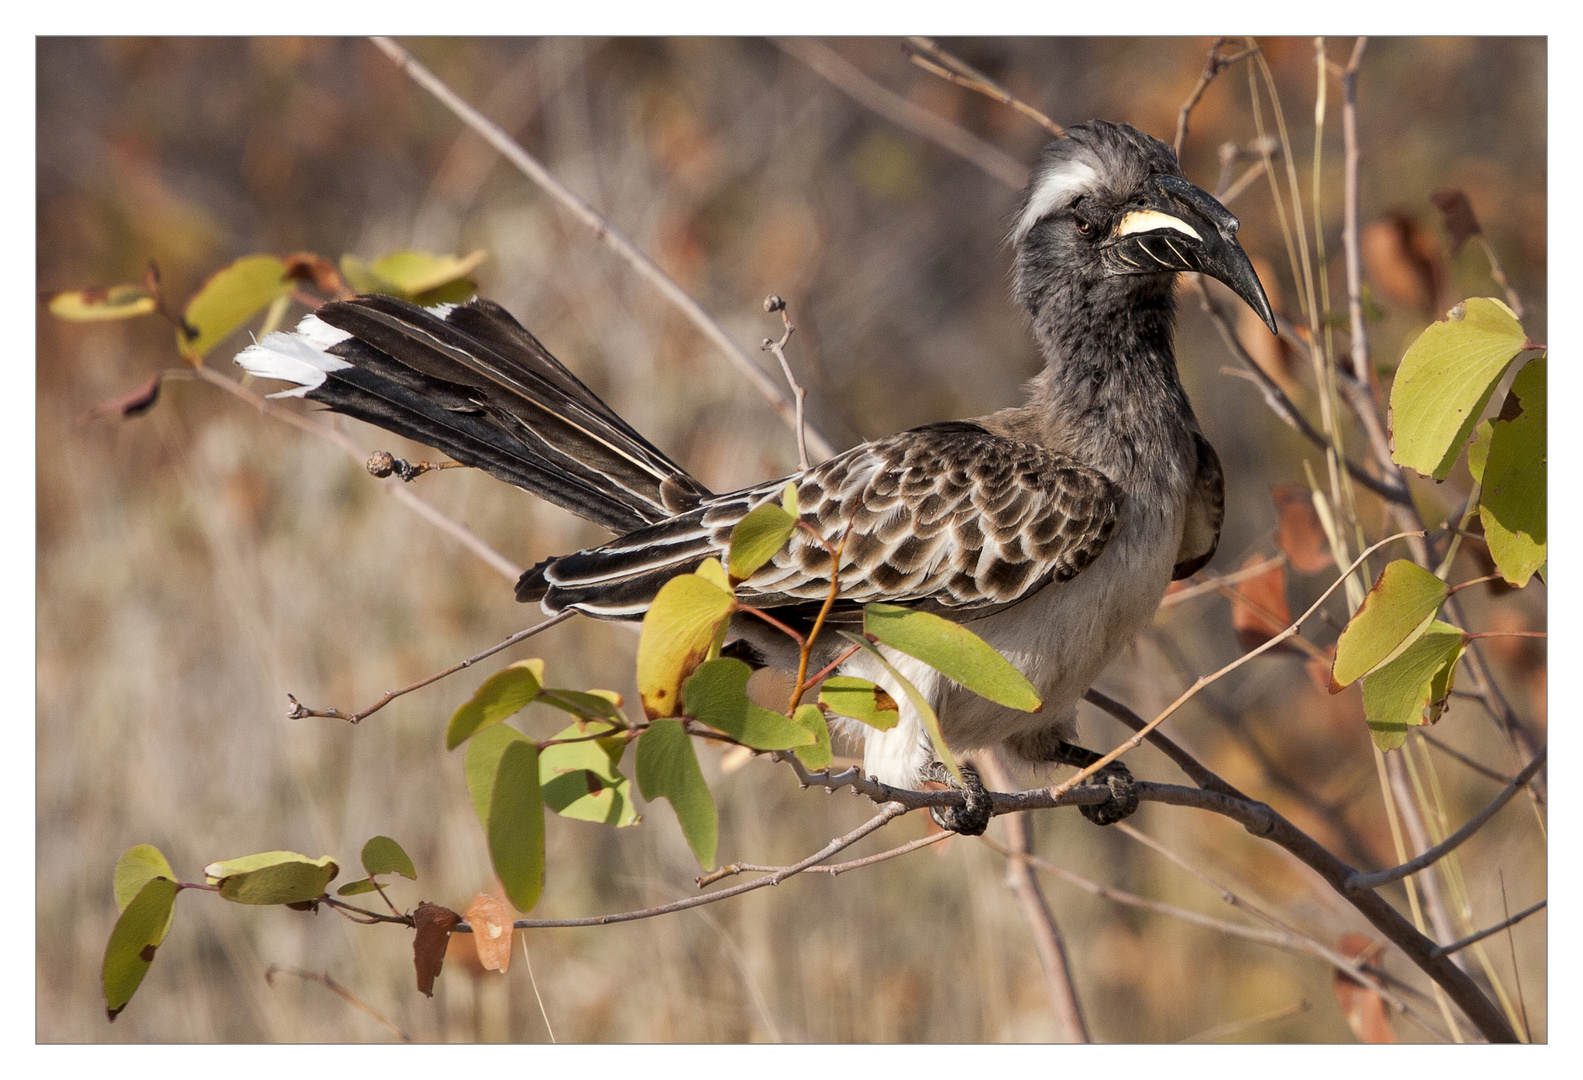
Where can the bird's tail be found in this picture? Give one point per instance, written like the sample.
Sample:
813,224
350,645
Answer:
468,380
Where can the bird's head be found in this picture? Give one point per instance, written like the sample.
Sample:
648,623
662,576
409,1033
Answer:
1108,219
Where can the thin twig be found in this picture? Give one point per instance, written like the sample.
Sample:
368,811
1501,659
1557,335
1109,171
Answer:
775,303
498,562
1207,680
324,979
543,1013
851,81
1481,769
645,267
300,711
1359,882
1235,1026
1362,367
1473,939
1047,938
1212,67
1213,582
956,70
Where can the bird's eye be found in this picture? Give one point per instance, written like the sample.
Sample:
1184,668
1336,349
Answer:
1084,226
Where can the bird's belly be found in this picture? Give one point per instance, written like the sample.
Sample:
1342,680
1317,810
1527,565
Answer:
1063,636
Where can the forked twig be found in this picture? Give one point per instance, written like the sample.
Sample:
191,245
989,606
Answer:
956,70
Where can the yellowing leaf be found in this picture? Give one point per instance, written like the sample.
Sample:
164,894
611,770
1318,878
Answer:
516,824
789,500
137,934
228,299
588,704
668,769
677,634
96,305
272,877
491,922
503,693
1394,613
1445,380
382,855
861,700
1512,504
818,756
757,537
954,651
711,571
137,867
1395,695
717,695
416,272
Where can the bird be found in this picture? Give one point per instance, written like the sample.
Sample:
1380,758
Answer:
1051,529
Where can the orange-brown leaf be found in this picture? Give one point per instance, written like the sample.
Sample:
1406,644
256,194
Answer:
1260,610
1360,1004
434,924
491,923
318,271
1297,532
1403,261
134,402
1457,212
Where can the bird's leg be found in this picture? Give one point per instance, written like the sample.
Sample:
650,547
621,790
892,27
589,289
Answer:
1048,746
972,817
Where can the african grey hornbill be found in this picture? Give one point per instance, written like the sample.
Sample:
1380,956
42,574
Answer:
1052,528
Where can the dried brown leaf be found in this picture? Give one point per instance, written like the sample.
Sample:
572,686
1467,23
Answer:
1363,1008
490,919
1402,259
1297,532
1260,610
1461,223
318,271
434,924
134,402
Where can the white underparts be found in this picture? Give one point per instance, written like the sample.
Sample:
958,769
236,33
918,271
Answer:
1140,221
299,357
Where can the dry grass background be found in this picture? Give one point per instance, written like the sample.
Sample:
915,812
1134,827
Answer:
200,562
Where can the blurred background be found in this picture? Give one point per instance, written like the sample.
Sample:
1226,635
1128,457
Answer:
199,562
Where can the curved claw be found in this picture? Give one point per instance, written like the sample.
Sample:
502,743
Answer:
1123,796
972,817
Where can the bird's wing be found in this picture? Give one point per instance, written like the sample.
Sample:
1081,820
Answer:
948,518
1206,509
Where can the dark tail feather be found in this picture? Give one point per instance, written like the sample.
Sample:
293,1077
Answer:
471,382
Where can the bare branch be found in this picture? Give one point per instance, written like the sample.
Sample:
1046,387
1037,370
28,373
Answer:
1357,882
299,711
1212,67
1474,939
851,81
956,70
324,979
646,268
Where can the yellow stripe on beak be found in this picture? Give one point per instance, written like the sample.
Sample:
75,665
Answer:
1149,220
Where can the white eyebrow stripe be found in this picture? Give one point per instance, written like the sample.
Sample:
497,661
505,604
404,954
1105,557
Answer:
1056,188
1148,220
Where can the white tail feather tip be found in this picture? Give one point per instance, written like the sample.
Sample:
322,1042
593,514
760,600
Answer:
292,358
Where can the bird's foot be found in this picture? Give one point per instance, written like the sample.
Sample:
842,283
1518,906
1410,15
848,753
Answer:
972,817
1123,795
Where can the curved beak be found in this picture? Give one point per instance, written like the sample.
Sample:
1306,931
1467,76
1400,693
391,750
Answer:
1180,226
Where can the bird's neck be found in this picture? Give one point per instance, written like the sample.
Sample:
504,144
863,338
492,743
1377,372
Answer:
1109,393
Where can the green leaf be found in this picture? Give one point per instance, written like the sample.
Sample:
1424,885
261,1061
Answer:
817,756
382,855
954,651
789,500
516,825
272,877
228,299
1445,380
677,634
931,722
587,704
757,537
1397,610
137,867
717,695
503,693
580,779
1395,696
668,769
861,700
97,305
1512,503
711,571
137,934
483,762
355,888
